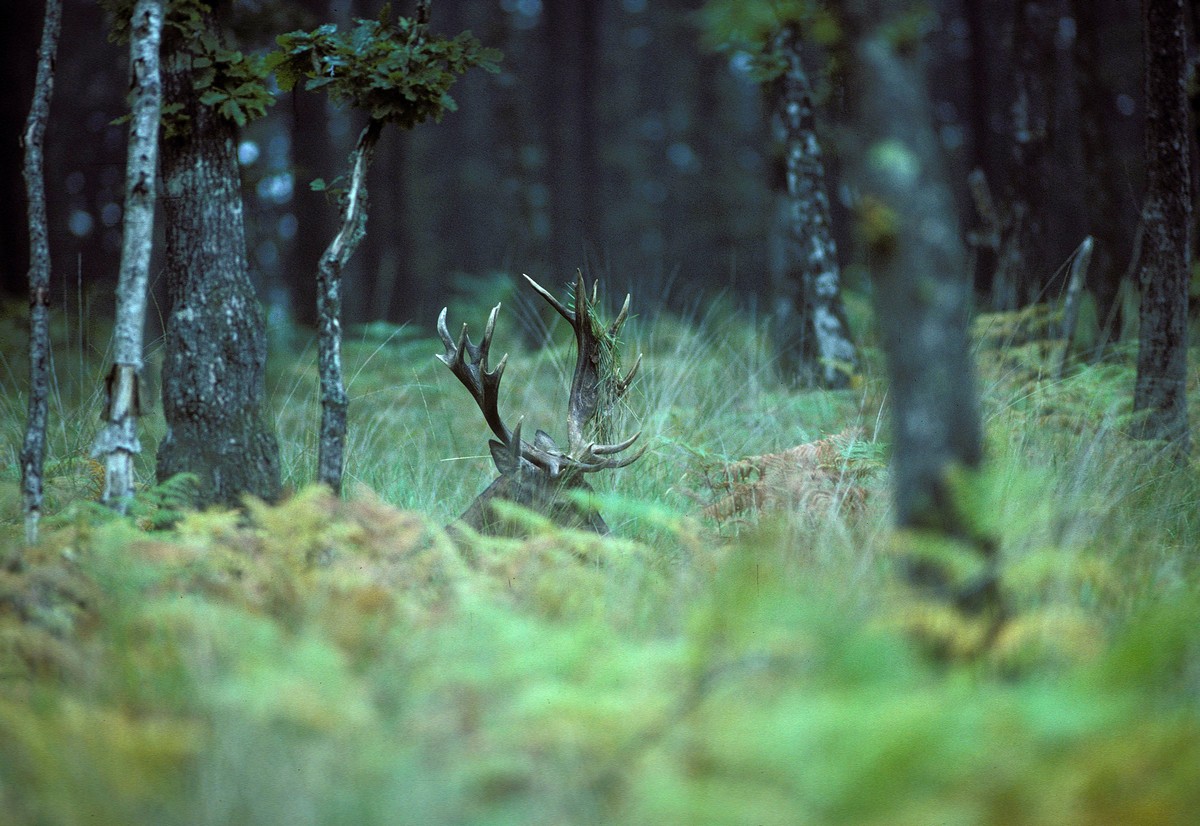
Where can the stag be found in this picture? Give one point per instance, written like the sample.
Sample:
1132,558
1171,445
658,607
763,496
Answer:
539,475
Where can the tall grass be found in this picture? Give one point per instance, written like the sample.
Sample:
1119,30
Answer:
331,661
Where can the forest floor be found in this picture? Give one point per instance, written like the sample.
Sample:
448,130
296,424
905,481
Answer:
741,651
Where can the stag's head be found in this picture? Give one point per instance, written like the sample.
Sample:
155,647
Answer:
538,474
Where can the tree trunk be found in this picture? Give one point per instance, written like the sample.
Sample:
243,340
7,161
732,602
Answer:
908,221
332,445
1029,118
117,442
18,22
215,343
809,299
33,450
1113,230
1160,392
571,29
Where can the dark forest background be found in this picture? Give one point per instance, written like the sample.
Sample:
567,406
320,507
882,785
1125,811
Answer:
626,137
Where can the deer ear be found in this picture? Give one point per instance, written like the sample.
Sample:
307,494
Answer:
543,441
506,462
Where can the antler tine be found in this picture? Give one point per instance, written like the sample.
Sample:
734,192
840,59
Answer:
589,459
589,464
554,302
608,450
582,307
482,383
621,385
615,327
486,343
444,333
630,459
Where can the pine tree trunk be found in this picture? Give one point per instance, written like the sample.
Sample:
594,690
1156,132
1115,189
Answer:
1161,386
215,342
811,292
33,450
117,442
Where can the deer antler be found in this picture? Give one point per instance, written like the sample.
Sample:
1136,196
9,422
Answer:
483,384
592,393
469,362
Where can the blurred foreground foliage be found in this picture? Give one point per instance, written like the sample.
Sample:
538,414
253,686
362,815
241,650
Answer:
329,661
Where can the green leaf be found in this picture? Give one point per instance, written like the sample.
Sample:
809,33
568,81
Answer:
317,185
233,111
213,96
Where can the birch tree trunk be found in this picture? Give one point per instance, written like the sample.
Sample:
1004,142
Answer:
1161,389
117,442
809,299
215,342
33,450
908,220
334,403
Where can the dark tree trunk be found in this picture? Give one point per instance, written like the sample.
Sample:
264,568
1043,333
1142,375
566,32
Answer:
1160,392
571,28
908,221
215,343
1100,158
1021,267
816,338
33,450
18,22
312,151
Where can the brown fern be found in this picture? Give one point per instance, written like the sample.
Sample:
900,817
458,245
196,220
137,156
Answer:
813,480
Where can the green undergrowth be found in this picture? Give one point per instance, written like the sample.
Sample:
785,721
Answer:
329,661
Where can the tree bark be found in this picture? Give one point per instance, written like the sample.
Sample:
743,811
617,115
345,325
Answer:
1107,219
332,445
117,442
1160,392
810,299
33,450
908,221
215,343
572,32
1029,120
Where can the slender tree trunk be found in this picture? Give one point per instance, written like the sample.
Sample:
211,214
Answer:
117,441
908,221
1160,391
332,445
215,342
33,451
810,299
